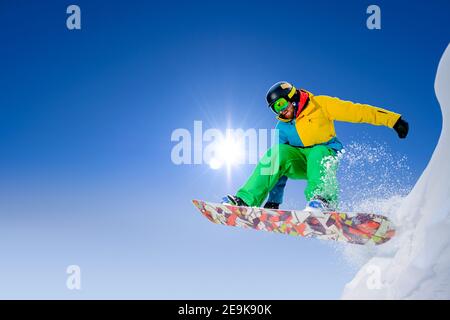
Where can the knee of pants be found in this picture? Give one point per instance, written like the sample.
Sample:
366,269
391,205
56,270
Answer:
321,155
321,163
278,154
275,160
320,152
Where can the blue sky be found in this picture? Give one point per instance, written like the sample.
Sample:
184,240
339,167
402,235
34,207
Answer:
86,118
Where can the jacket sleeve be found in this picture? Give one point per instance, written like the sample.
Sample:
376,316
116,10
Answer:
276,194
340,110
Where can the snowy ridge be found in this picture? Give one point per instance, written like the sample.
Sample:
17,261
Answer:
417,264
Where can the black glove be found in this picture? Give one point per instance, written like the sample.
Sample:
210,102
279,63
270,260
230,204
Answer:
402,128
272,205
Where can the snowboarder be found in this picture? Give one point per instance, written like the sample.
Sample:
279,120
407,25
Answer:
307,147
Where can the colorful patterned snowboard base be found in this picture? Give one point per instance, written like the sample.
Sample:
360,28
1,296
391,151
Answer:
357,228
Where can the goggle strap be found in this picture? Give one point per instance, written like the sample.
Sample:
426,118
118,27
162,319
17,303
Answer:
292,92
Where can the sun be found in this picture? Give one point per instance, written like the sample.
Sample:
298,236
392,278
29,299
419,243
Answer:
228,151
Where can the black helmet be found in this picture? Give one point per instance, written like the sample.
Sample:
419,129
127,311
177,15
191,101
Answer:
279,90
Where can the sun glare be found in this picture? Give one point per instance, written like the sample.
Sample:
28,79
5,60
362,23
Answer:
229,151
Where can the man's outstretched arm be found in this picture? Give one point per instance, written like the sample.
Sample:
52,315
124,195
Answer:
341,110
348,111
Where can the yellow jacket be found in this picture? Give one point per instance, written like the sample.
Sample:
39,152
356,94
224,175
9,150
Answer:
315,123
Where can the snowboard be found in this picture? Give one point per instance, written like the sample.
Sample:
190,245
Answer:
356,228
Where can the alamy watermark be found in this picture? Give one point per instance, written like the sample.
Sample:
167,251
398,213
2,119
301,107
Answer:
218,148
374,20
73,22
373,281
73,281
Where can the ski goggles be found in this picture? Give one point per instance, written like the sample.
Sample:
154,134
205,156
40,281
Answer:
280,105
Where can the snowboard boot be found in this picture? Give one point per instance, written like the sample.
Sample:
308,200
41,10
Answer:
234,201
318,204
272,205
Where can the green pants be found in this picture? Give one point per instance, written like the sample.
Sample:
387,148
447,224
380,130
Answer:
317,165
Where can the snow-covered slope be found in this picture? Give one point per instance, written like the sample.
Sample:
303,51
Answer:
417,264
